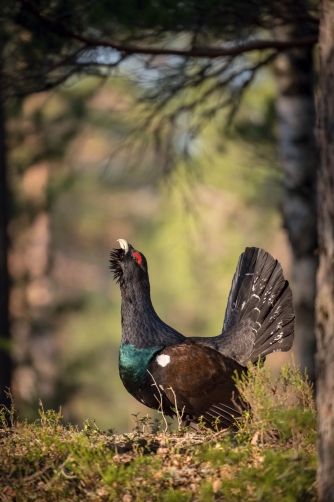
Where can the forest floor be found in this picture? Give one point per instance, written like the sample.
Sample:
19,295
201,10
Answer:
270,455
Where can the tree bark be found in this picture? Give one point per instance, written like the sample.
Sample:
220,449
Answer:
5,359
325,279
299,161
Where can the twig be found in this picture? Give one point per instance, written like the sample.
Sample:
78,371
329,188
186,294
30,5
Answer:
284,474
30,478
161,405
178,416
67,475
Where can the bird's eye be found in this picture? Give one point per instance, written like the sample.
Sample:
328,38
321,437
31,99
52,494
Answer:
137,257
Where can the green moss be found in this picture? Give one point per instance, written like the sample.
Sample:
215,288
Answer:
173,495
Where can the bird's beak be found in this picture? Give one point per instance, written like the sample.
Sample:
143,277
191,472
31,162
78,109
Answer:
124,244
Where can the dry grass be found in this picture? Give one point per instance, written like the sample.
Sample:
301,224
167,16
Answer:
272,451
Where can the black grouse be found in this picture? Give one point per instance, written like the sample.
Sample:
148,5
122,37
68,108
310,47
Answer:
163,369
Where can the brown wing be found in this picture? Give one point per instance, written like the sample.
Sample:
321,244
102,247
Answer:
199,381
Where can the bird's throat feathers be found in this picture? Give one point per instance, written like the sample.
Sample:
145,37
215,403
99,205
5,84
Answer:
137,293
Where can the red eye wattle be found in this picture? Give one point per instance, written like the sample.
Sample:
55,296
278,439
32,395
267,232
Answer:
137,257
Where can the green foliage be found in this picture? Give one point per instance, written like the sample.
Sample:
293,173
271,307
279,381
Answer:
281,407
273,450
173,495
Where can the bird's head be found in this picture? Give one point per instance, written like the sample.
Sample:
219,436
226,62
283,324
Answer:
128,264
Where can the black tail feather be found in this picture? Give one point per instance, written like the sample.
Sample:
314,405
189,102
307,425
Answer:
261,301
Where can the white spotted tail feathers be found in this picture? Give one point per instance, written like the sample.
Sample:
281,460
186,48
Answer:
260,300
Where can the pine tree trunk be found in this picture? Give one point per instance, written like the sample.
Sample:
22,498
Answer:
325,279
299,161
5,359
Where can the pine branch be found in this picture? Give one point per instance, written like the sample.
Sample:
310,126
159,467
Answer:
198,52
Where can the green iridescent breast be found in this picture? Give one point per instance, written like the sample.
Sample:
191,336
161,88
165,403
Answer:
133,364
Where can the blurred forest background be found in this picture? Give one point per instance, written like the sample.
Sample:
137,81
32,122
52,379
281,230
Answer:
181,188
73,195
188,130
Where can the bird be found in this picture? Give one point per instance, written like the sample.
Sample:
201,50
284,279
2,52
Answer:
195,376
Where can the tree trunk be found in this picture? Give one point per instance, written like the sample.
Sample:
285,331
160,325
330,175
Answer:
32,303
5,359
299,161
325,278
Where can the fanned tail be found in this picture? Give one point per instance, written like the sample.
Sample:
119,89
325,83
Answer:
260,311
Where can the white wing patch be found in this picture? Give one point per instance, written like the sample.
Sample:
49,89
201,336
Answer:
163,360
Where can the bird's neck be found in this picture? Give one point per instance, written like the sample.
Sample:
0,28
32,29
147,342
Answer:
141,325
137,295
